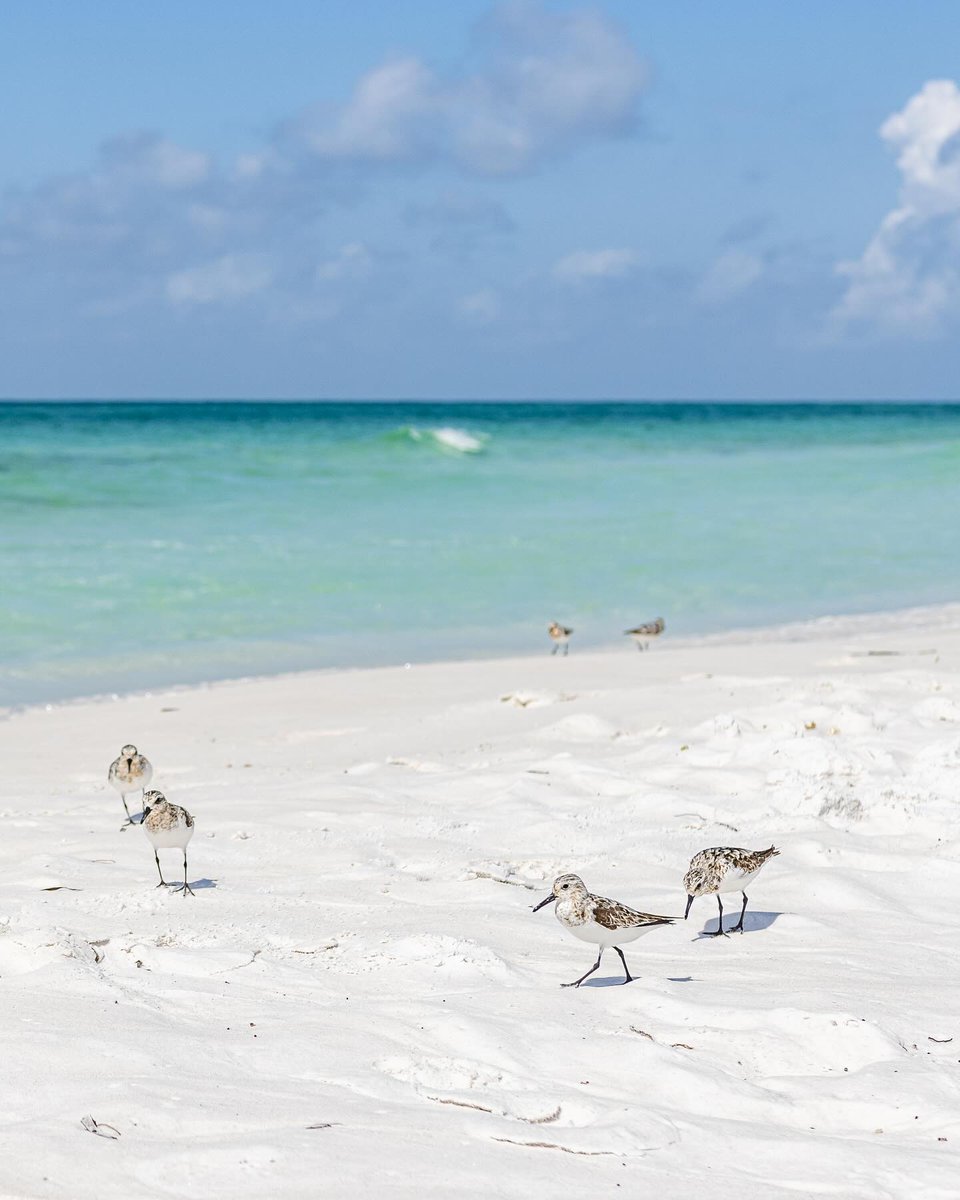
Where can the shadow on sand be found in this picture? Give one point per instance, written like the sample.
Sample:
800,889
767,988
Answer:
617,980
753,922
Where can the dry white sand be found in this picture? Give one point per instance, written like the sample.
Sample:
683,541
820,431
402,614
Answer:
359,1000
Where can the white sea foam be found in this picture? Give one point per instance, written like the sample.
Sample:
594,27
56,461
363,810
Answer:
449,438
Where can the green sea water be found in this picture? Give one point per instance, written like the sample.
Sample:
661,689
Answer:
151,543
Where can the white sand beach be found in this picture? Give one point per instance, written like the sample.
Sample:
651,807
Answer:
359,1000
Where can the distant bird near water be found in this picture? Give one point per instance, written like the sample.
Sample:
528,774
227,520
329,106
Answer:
643,633
131,772
560,636
169,827
595,919
723,869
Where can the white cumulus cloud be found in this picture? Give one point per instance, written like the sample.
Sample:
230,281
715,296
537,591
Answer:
386,117
544,82
907,280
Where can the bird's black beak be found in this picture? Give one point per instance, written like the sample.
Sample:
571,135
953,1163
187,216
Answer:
537,907
687,912
146,813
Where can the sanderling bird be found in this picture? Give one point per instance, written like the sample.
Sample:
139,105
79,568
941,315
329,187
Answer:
595,919
560,636
130,773
643,633
168,826
723,869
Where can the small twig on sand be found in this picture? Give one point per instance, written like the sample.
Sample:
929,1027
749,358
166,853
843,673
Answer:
99,1128
459,1103
706,821
555,1146
497,879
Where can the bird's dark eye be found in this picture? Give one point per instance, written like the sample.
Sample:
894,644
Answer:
565,886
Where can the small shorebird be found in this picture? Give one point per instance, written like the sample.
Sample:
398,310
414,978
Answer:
129,773
560,636
168,826
595,919
643,633
723,869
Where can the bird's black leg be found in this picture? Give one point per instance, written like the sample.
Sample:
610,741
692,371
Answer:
577,982
163,882
556,647
720,922
129,820
629,978
566,649
186,886
738,928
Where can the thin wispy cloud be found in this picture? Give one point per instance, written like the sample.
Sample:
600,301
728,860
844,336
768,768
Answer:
460,222
479,308
729,276
352,261
225,280
583,265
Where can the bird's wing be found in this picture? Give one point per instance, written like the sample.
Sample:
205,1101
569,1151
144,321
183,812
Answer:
611,914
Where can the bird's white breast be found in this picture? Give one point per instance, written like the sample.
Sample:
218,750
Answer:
165,839
736,880
133,780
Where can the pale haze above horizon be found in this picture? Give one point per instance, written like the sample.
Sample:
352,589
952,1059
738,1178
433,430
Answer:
416,199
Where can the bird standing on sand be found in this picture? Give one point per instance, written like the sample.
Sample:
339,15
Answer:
169,827
723,869
131,772
643,633
595,919
560,636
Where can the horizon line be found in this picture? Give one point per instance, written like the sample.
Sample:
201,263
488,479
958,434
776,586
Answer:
475,400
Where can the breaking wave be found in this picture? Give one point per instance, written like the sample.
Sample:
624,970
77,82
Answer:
446,438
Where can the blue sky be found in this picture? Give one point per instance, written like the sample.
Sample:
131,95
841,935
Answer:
416,198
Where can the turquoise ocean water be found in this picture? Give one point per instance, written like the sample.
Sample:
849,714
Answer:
151,543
